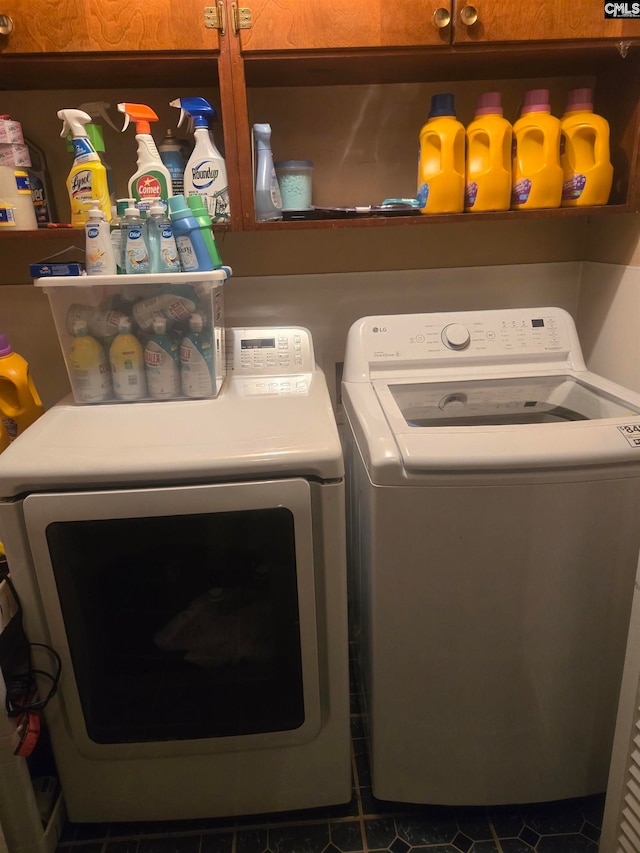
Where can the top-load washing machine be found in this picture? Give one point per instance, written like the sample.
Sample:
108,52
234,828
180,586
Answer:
494,506
187,561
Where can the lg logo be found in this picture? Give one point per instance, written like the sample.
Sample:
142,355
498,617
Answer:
379,329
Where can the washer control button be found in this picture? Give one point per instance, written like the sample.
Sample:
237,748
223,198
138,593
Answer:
456,336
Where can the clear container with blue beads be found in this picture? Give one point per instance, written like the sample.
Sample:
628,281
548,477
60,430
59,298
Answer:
295,182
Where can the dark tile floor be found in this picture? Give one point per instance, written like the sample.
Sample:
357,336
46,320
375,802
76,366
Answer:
361,826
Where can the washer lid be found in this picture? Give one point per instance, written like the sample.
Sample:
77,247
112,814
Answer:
503,402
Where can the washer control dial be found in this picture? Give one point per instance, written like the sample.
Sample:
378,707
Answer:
456,336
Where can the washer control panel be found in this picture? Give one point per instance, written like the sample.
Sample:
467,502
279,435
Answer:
270,360
489,337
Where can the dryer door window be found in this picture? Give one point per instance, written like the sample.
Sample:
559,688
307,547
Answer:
186,625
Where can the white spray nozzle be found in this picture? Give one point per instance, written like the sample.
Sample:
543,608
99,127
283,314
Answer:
99,108
74,121
178,104
122,108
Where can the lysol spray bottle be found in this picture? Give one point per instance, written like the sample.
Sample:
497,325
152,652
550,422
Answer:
584,152
488,162
88,177
441,163
136,252
192,249
537,174
126,358
268,202
163,252
151,179
196,359
206,172
161,361
20,403
88,366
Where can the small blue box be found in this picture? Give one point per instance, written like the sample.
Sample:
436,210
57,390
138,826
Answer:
48,270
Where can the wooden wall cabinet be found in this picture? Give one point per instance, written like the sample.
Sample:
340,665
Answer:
63,44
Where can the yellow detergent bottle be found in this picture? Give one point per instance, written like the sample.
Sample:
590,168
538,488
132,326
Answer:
87,179
488,167
584,152
537,173
441,163
20,404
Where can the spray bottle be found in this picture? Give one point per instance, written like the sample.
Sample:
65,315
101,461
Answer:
20,404
152,178
88,177
268,203
170,150
205,173
98,109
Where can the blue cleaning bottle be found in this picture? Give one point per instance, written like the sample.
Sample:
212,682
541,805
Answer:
196,359
268,202
163,252
192,249
206,172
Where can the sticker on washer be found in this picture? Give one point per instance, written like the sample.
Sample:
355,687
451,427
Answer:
632,433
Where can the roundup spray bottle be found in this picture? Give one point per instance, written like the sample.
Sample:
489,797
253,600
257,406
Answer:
87,179
151,179
206,172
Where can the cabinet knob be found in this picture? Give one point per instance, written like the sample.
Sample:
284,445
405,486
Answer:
468,15
6,25
441,18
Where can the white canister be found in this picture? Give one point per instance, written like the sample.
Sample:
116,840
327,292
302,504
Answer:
16,204
294,179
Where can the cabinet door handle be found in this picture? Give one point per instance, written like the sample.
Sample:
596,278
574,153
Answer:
441,18
6,25
469,15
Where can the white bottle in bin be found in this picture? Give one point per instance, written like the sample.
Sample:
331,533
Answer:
88,366
102,322
126,358
176,303
197,359
161,363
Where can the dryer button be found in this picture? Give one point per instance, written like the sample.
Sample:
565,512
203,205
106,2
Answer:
456,336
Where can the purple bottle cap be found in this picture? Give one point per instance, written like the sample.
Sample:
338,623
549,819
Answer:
5,346
535,101
579,99
489,104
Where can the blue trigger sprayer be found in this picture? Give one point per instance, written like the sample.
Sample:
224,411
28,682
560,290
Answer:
205,173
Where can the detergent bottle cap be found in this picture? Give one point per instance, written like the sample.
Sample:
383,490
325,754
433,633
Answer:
197,108
442,105
197,206
5,346
579,99
140,114
536,101
159,325
124,325
489,104
80,328
121,206
179,207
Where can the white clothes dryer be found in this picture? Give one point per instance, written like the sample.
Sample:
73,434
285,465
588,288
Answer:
493,506
187,561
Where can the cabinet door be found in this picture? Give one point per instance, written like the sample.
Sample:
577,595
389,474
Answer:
69,26
333,24
533,20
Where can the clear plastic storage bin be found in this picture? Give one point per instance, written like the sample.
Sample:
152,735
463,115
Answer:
146,337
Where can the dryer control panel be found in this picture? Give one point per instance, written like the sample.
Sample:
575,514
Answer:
270,360
428,341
